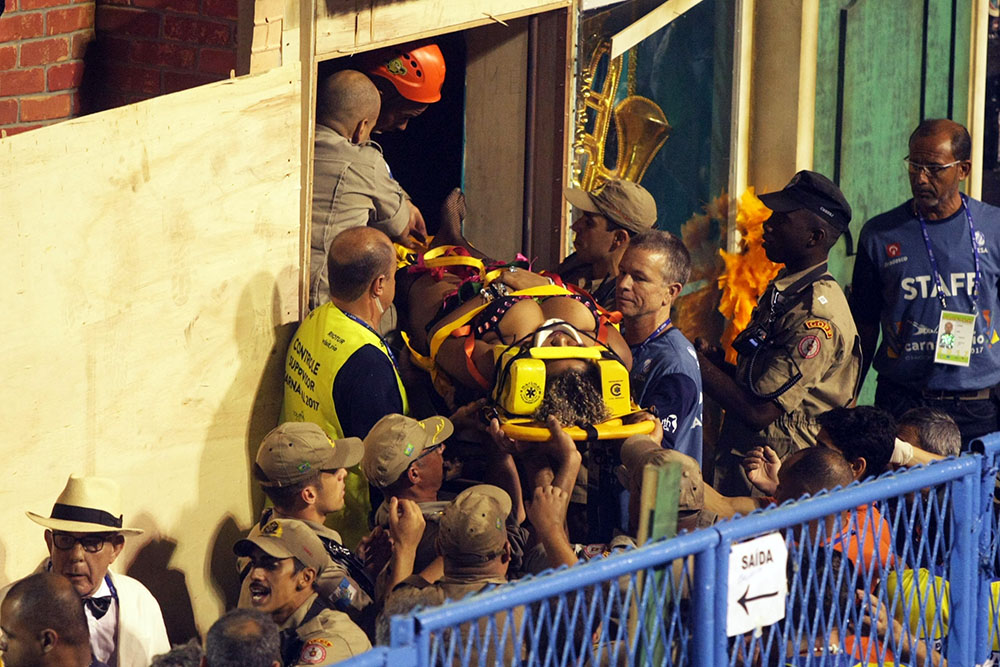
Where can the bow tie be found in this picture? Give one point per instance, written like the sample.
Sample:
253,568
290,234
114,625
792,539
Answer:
98,606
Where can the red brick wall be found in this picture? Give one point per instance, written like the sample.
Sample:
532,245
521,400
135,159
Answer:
42,43
57,59
150,47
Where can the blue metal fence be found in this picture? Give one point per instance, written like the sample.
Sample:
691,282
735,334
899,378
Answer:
922,545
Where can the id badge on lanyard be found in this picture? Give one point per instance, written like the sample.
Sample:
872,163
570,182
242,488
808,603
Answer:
956,330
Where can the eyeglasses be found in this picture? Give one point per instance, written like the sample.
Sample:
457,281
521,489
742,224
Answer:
929,169
90,543
427,451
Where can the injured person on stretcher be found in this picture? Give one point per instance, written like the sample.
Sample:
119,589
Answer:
520,337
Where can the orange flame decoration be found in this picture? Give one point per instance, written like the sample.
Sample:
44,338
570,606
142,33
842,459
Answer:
694,313
747,271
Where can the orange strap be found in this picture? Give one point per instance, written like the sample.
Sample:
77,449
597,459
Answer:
470,365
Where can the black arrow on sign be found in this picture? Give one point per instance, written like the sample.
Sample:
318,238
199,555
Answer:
746,598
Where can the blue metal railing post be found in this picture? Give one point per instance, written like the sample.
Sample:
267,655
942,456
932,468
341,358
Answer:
989,447
402,640
704,632
721,554
963,571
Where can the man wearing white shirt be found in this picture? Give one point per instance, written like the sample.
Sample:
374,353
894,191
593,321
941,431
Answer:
84,534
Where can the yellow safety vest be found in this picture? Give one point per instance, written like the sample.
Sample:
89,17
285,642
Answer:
324,342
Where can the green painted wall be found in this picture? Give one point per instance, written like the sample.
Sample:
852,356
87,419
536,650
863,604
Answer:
874,52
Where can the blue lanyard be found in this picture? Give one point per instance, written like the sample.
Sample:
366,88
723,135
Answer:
111,586
934,265
388,350
659,330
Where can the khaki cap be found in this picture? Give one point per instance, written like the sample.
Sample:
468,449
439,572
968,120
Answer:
287,538
473,527
625,203
639,450
295,451
396,441
87,505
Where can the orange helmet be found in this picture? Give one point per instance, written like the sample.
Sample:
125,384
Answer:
417,74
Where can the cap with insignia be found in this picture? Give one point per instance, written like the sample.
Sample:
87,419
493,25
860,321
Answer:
286,538
295,451
396,441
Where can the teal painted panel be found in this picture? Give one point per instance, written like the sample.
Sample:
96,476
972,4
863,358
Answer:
882,83
938,89
825,130
963,63
947,81
881,106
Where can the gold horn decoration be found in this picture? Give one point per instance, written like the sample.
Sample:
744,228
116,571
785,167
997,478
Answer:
590,145
642,130
640,123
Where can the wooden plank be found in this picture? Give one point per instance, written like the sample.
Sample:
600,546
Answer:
737,109
658,507
150,265
774,92
495,85
652,22
550,153
976,113
346,26
962,82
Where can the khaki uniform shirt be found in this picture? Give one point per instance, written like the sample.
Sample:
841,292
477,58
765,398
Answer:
508,625
326,638
815,337
352,187
427,549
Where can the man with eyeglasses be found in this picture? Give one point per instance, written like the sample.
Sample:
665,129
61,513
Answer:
84,534
926,274
286,559
404,459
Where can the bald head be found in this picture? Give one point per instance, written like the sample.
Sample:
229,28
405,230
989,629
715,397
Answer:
961,142
243,638
48,600
812,470
44,624
348,102
358,256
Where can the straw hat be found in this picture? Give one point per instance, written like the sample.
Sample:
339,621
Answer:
87,505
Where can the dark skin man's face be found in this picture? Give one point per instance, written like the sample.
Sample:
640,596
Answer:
936,193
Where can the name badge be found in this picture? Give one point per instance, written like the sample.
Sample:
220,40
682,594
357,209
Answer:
954,338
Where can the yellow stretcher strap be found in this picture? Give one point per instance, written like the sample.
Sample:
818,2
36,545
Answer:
420,360
442,334
440,256
533,431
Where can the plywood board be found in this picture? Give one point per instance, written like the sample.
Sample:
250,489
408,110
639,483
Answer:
151,272
495,85
346,26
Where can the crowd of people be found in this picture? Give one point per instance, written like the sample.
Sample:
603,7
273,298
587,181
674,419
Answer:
413,469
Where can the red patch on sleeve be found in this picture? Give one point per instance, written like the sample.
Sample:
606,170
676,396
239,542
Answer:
314,652
808,346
